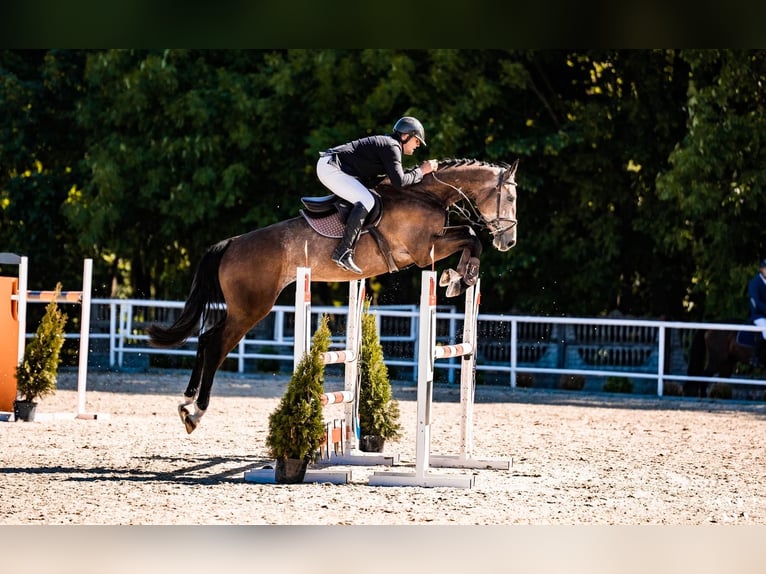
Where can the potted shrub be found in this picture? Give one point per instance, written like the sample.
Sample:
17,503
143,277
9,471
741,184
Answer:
37,372
378,411
296,427
572,382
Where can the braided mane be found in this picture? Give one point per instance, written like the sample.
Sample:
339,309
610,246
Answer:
459,162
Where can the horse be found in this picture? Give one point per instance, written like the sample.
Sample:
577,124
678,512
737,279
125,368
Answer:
237,280
717,352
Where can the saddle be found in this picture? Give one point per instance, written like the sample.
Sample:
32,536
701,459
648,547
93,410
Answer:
746,338
327,216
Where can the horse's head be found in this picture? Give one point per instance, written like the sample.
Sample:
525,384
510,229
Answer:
503,225
491,191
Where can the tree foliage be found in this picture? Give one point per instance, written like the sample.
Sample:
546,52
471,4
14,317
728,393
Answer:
636,165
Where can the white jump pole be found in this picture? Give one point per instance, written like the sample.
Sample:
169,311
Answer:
82,370
22,305
302,314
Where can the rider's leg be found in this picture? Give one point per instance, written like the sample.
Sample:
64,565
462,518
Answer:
353,191
344,252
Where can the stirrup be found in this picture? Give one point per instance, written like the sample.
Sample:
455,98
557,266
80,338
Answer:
346,262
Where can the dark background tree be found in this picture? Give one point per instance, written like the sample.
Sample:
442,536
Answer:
639,183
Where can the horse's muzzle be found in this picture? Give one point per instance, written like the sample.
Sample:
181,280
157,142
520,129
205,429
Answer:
504,241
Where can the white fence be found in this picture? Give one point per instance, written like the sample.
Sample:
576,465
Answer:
647,352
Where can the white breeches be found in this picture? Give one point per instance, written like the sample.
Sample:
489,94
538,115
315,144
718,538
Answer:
761,322
342,184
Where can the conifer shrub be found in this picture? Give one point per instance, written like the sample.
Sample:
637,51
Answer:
720,391
572,382
36,374
618,385
378,410
296,427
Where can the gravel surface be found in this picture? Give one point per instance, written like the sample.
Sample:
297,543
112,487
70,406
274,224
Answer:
576,459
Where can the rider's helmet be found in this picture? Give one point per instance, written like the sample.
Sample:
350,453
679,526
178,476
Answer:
410,126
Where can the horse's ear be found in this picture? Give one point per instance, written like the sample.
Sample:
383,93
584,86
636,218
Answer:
510,173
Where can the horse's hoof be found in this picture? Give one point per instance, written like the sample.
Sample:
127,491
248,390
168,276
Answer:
448,276
183,412
190,424
455,288
471,274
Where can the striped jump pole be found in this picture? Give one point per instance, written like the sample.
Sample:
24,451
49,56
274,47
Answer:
428,352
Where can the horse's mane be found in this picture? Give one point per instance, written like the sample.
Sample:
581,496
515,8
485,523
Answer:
415,191
460,162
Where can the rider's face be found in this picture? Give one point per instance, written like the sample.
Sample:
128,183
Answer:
409,147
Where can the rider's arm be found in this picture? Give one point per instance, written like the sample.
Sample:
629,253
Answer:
392,160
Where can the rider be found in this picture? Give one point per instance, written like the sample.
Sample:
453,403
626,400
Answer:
350,169
756,291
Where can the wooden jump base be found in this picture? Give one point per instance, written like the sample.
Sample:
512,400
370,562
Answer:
427,353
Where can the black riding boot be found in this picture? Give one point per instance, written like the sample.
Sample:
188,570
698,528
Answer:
344,252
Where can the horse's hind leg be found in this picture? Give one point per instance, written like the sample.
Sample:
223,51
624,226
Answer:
192,420
215,345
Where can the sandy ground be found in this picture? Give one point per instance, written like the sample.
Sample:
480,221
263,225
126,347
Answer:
577,459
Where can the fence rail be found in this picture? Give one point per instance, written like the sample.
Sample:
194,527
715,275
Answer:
509,346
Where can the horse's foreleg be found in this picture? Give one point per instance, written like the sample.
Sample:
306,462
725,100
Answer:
451,240
468,267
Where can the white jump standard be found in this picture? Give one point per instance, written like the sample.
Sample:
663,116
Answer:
346,428
427,353
82,298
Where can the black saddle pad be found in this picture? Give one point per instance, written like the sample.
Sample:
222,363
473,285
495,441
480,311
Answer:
746,338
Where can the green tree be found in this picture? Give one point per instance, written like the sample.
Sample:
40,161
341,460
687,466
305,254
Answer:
715,186
40,149
635,164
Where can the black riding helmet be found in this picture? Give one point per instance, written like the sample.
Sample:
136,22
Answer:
410,126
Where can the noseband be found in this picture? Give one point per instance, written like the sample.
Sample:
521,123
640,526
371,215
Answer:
496,226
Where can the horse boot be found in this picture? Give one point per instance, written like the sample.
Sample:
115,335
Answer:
344,252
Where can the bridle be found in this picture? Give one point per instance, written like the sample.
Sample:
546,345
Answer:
496,226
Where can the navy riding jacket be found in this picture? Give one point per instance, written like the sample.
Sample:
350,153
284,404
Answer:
756,291
373,158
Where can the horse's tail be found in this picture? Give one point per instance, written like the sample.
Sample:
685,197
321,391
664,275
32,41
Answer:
205,290
696,366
